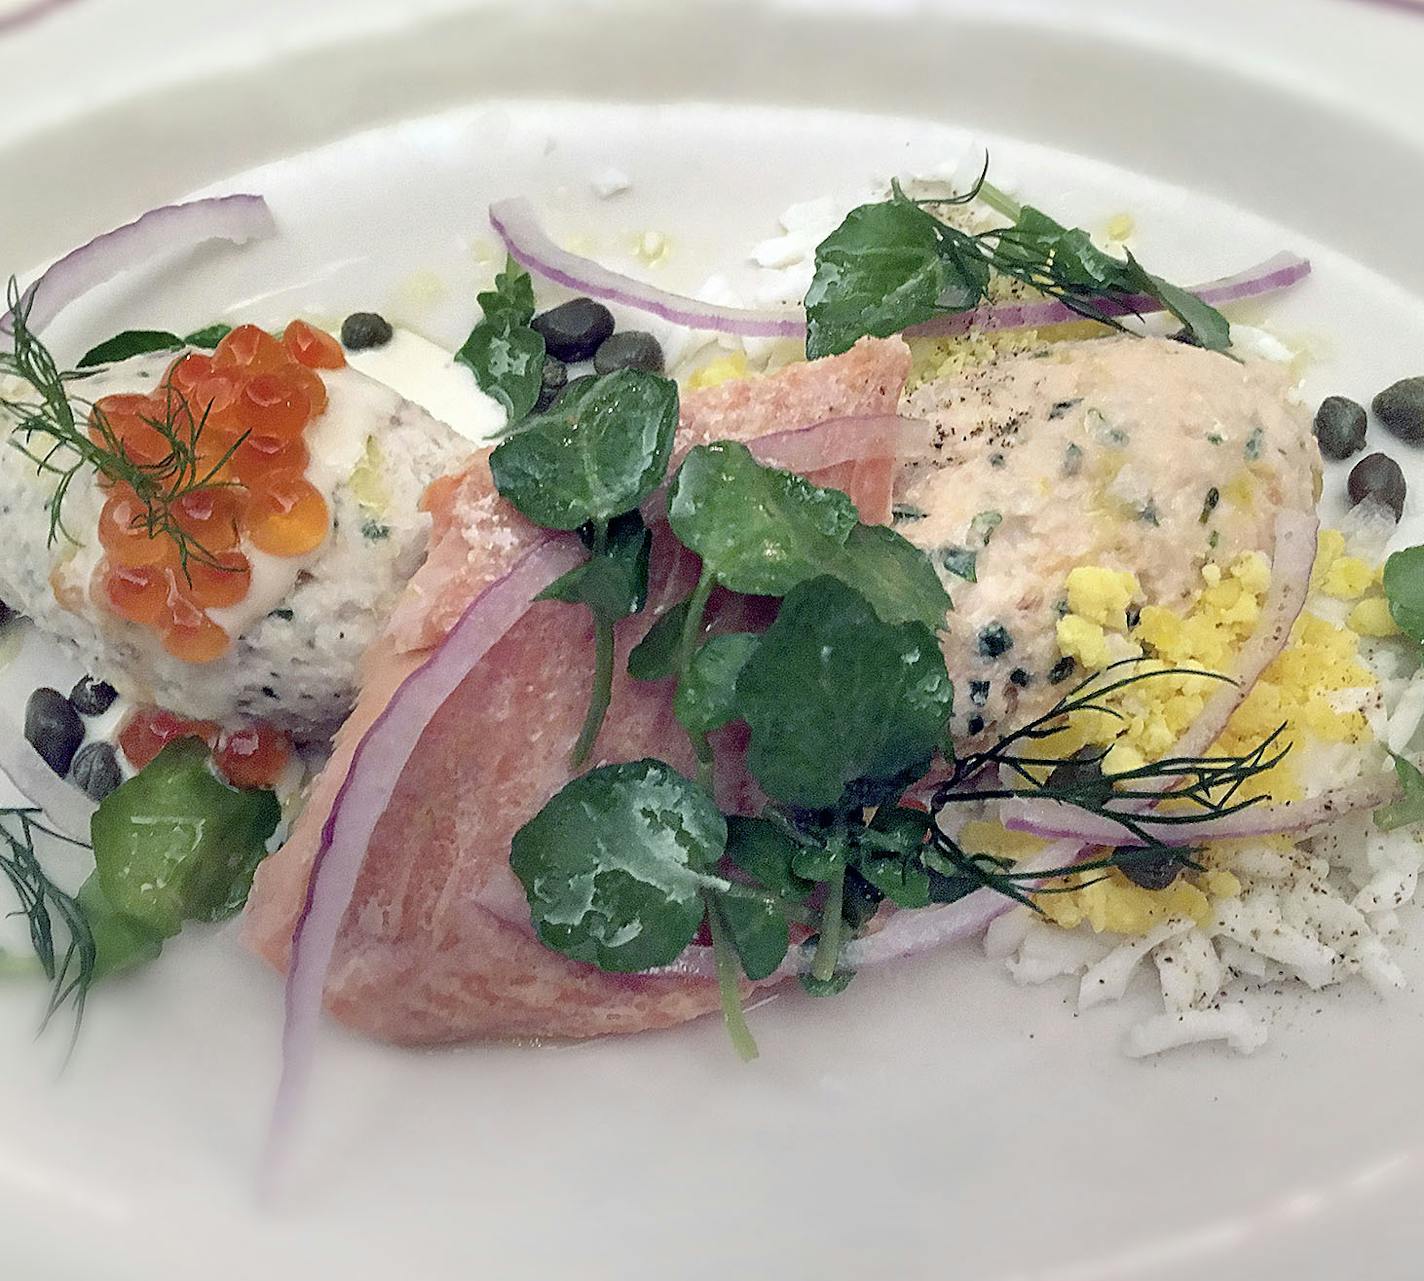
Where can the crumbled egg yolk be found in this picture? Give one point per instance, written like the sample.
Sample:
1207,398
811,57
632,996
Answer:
1299,690
933,359
722,369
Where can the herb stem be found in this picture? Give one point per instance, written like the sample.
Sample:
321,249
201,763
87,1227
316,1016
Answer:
724,956
828,947
999,201
602,693
686,650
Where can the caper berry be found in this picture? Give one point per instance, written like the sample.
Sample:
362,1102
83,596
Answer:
574,330
632,349
1378,476
91,697
96,771
1153,871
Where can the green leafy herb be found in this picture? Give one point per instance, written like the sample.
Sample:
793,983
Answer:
505,354
892,265
1409,808
767,853
707,696
759,933
615,865
835,697
175,843
208,336
1404,589
599,453
654,658
893,575
132,342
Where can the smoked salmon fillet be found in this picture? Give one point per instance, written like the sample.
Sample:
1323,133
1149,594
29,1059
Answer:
436,945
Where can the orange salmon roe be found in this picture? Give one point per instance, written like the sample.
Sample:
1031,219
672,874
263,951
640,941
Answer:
312,348
287,516
254,756
248,406
150,729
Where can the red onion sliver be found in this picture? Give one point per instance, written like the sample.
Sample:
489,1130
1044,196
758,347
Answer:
518,226
844,440
516,223
66,808
370,781
238,219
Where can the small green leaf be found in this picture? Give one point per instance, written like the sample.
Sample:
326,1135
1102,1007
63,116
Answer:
505,354
1409,808
893,575
903,881
760,530
833,986
880,271
833,696
614,866
766,854
132,342
613,584
1207,325
654,658
1404,589
119,943
207,337
597,454
707,697
758,932
175,843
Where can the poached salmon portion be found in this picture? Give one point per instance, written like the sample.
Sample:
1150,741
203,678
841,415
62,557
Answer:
437,944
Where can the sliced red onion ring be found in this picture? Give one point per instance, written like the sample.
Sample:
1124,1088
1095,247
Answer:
238,219
1056,821
66,808
1278,272
516,223
370,781
518,226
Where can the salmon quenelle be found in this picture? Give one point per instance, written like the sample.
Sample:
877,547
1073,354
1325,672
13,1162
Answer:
437,944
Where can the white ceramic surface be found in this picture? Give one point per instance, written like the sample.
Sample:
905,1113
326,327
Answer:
935,1121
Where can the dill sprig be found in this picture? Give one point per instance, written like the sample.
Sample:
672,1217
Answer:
1210,785
66,445
70,968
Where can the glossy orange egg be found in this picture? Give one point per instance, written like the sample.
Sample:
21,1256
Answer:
249,349
312,347
274,405
150,729
124,532
259,456
219,581
253,756
287,516
138,594
127,421
211,516
189,634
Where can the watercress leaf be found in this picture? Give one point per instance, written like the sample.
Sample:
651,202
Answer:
878,272
1205,324
654,658
706,697
818,863
833,986
894,575
1409,808
208,336
598,453
902,880
758,932
860,900
766,853
760,530
512,298
132,342
614,866
507,360
833,695
119,943
175,843
1404,589
614,583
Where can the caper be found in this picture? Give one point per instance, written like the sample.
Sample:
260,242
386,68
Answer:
1340,427
96,770
1378,476
91,697
1400,407
1152,871
574,330
53,728
632,349
363,330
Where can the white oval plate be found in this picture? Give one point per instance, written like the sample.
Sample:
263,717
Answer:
934,1121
